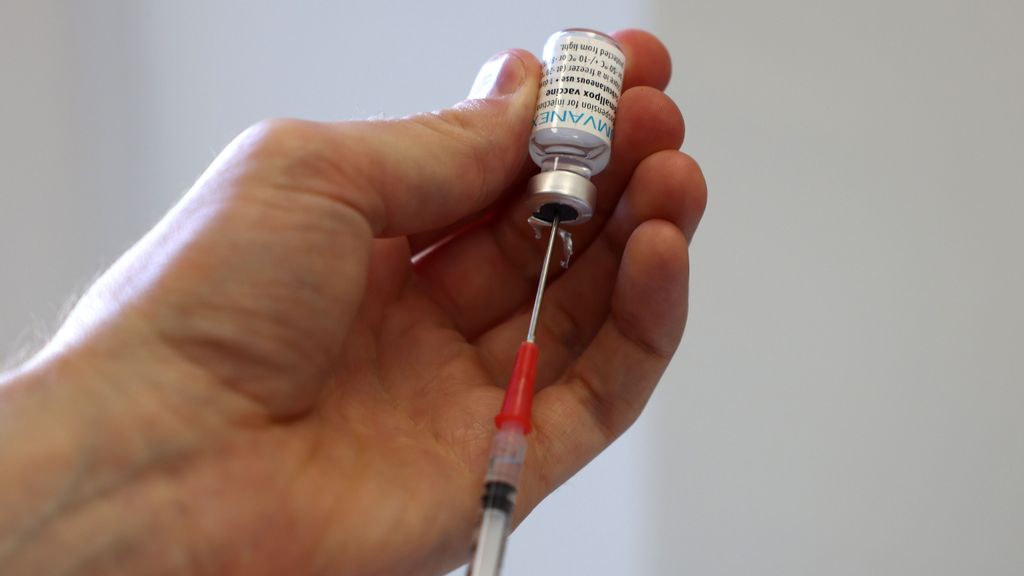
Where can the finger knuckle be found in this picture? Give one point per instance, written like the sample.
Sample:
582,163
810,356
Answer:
567,330
464,134
310,159
607,418
276,136
682,178
693,181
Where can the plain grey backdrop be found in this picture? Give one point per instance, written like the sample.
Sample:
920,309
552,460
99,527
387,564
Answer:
849,393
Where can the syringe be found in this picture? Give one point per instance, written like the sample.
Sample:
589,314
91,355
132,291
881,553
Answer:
508,449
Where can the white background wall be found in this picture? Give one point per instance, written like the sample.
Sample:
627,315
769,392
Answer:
848,397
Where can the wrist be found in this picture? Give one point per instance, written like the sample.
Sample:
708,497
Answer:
88,456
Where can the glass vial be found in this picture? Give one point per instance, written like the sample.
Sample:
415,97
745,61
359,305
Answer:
572,127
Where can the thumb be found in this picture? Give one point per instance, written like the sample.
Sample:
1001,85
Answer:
426,171
258,284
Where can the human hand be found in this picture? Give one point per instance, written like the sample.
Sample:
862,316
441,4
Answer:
268,383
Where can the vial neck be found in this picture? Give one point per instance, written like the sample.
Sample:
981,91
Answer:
567,163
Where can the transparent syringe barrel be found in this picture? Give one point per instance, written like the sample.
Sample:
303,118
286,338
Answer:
579,94
508,451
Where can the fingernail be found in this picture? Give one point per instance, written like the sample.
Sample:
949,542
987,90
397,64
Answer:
502,75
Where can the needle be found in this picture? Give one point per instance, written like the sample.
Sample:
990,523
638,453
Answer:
531,333
509,446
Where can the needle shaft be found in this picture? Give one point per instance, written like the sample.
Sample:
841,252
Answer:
543,280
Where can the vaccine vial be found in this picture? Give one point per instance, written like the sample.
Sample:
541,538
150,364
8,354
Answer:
573,124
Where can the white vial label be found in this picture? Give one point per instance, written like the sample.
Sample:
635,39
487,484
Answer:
581,85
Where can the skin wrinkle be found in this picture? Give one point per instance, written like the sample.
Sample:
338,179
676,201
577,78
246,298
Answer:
478,127
211,324
439,295
458,350
660,353
453,128
595,404
402,408
490,364
268,138
248,421
528,271
449,446
385,392
409,493
563,327
575,328
178,400
397,323
448,302
308,167
621,320
374,220
321,217
307,465
538,446
388,273
251,357
194,350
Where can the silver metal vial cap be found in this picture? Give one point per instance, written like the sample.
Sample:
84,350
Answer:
563,193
